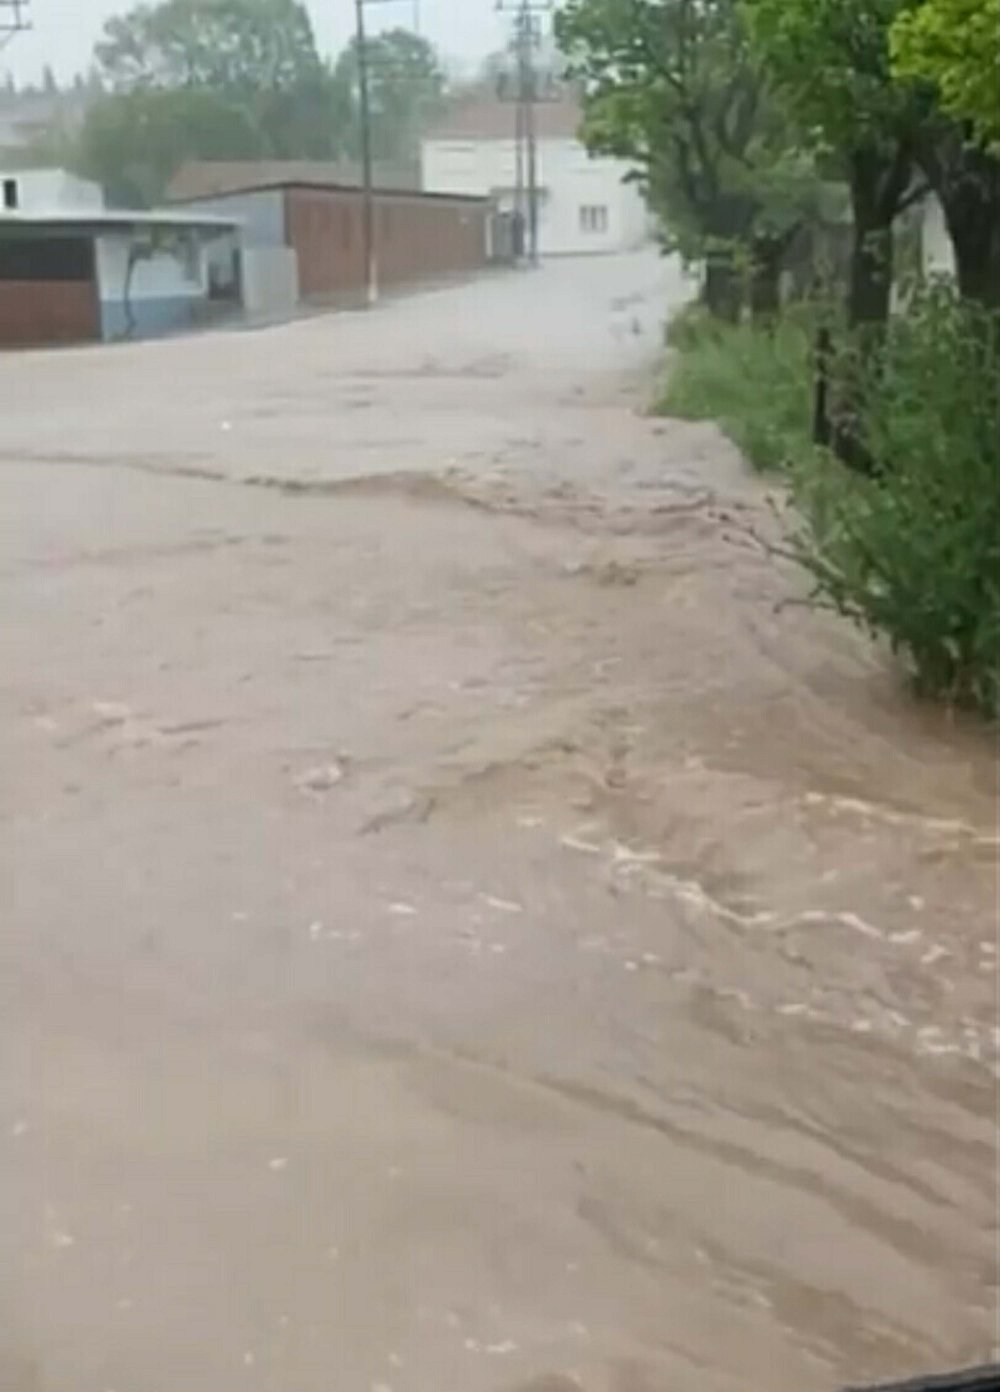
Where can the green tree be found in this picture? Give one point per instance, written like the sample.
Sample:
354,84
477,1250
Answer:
406,85
222,44
952,48
133,142
673,87
830,60
259,55
954,44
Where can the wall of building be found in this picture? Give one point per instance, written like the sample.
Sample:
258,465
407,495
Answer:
34,313
417,238
584,205
167,289
45,190
47,291
261,211
270,281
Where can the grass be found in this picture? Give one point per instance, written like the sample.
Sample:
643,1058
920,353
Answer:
913,552
755,384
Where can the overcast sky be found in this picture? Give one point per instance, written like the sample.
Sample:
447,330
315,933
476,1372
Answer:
63,31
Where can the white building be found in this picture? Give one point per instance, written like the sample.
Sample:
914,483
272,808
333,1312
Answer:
584,202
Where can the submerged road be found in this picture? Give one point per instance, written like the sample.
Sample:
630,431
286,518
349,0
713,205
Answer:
461,933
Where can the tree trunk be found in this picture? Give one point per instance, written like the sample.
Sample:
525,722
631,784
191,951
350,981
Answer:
870,288
822,351
977,259
967,183
765,278
722,292
868,301
878,186
133,260
767,262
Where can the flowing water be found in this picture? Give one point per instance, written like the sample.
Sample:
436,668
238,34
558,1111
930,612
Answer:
465,930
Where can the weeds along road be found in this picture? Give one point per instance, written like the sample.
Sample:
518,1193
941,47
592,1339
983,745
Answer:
460,936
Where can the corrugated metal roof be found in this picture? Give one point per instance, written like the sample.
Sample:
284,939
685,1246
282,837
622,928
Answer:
485,118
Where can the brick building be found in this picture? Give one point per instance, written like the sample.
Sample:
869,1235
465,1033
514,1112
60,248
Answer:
418,236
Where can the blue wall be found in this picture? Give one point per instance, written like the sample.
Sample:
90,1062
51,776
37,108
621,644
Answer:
158,315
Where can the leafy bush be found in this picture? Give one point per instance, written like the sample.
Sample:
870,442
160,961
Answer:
755,384
914,551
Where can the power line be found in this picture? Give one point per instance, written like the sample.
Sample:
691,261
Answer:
526,38
13,19
367,186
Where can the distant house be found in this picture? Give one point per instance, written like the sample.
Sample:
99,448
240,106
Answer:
73,271
303,238
585,203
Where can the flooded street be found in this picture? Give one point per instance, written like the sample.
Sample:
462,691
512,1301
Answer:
464,933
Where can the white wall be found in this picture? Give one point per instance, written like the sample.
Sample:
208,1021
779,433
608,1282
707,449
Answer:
270,281
45,190
261,211
937,252
167,292
570,181
164,275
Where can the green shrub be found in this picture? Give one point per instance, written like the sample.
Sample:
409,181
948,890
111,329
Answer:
756,384
914,552
688,325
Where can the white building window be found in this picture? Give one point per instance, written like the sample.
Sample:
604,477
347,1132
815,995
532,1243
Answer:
593,217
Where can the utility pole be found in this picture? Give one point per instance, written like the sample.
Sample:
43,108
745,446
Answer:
530,134
520,135
367,190
13,19
369,237
526,95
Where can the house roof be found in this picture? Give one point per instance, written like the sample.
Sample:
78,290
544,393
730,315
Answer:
209,178
485,118
100,219
318,186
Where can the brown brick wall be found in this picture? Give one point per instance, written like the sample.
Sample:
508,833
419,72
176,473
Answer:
47,311
417,238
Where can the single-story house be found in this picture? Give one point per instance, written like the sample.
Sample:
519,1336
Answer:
319,226
73,271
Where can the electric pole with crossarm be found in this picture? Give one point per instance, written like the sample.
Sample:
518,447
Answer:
527,91
13,19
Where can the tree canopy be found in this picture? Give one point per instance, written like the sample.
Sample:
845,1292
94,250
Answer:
240,79
831,61
133,143
954,44
406,84
225,45
257,56
674,87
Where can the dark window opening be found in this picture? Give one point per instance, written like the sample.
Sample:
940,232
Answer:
46,258
10,193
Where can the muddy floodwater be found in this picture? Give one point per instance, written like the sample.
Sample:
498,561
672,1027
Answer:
462,930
